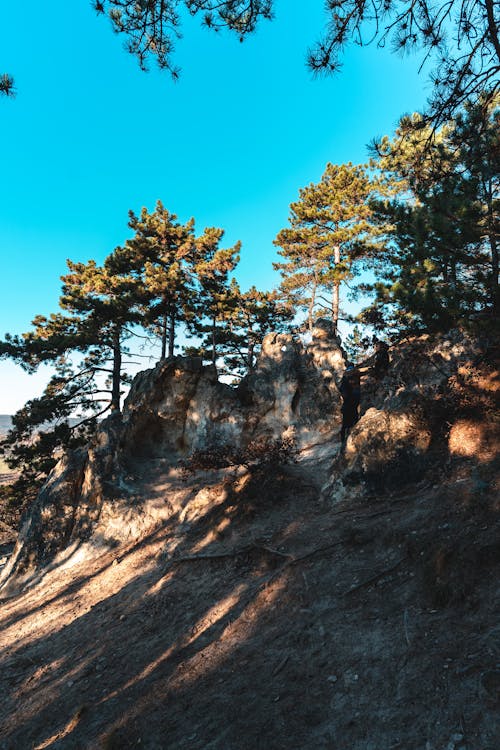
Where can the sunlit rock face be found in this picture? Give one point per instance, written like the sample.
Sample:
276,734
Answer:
428,409
387,449
180,406
68,506
177,407
173,409
474,438
327,353
291,390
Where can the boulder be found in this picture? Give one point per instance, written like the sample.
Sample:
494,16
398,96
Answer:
432,383
387,449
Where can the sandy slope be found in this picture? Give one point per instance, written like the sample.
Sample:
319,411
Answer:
261,615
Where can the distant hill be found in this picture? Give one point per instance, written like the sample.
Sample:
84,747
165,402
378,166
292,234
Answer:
5,423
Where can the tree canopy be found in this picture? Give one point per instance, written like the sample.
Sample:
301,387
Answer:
330,233
459,38
440,264
162,278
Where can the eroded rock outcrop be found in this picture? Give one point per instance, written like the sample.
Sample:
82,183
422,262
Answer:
437,392
176,408
180,406
414,420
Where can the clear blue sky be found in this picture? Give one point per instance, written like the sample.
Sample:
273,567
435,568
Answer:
89,136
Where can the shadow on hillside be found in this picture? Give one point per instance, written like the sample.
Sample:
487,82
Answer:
218,642
171,660
66,688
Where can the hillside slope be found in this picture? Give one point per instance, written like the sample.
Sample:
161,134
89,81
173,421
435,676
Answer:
321,604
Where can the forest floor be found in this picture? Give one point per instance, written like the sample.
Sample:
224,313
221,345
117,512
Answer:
265,614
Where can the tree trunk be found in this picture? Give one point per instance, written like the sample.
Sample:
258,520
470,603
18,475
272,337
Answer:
312,302
453,276
492,236
251,347
214,356
171,335
492,26
163,337
117,369
495,292
336,290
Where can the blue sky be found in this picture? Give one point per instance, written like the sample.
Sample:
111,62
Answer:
89,136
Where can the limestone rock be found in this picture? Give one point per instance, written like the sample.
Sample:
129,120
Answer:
173,409
288,389
474,438
327,352
48,524
386,448
405,416
69,503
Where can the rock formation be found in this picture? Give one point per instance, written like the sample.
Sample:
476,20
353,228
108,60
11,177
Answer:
419,416
172,410
413,417
348,600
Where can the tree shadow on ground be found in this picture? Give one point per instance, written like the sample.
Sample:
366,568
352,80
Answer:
212,638
156,621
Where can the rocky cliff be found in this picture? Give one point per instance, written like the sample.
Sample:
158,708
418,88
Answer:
171,411
348,600
429,407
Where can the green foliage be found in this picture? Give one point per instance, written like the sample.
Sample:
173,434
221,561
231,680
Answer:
245,318
460,40
99,305
440,264
7,85
41,431
356,344
253,315
331,232
214,301
161,257
153,26
162,277
425,223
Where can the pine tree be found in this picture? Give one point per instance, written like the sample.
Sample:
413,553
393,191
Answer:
162,254
441,259
85,344
7,87
330,234
476,134
460,39
253,314
105,305
212,266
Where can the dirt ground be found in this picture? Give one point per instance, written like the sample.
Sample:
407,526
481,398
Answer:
267,615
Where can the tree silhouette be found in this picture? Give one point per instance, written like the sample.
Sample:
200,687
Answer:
329,235
7,85
459,37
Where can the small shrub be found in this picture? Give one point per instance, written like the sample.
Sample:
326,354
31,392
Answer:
259,453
